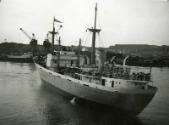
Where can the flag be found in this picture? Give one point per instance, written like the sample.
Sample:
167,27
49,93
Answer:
57,20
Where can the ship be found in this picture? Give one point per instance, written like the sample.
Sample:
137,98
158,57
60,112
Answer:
25,58
95,80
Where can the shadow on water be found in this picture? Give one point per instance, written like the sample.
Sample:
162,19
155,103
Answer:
59,110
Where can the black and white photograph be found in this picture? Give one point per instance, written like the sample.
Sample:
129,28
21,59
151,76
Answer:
84,62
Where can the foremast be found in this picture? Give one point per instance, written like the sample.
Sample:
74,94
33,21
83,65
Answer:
94,30
53,32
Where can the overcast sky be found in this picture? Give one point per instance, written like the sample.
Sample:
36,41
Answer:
121,21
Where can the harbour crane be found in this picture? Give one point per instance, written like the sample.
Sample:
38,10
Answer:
33,41
26,34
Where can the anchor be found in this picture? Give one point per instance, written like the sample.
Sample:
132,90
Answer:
73,101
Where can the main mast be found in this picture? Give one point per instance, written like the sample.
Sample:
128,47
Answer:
78,61
94,30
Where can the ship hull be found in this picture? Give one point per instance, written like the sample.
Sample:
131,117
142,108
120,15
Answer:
21,60
16,59
27,58
127,101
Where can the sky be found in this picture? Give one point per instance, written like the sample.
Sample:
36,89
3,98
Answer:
121,21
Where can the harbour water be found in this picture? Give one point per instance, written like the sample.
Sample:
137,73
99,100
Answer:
25,101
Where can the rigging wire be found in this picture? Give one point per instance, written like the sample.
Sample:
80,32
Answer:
85,37
100,40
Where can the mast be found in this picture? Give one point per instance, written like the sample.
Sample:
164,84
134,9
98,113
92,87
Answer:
79,49
94,30
53,34
59,49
